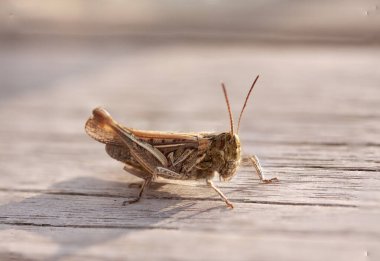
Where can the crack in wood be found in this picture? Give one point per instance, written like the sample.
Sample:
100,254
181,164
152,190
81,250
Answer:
262,202
88,226
335,168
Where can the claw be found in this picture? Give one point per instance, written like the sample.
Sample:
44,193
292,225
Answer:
269,181
130,201
229,205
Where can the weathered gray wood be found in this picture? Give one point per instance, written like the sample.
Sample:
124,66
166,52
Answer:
163,244
313,120
65,210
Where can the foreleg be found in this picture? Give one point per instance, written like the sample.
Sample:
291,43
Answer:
259,170
225,199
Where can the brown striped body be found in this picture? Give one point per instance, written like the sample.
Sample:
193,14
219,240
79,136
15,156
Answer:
193,155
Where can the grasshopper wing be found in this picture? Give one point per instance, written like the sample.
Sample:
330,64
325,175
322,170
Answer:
165,142
104,134
101,132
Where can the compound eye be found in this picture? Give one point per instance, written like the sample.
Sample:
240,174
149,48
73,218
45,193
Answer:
230,162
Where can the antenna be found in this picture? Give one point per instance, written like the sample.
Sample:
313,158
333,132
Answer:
245,103
229,108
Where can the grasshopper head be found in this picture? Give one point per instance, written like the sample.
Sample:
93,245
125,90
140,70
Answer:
229,142
229,145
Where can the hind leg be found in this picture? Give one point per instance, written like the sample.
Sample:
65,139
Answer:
144,185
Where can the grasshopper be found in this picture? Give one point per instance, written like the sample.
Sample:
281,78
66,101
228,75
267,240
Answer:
179,156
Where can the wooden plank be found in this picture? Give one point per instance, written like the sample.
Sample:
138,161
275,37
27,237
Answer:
314,187
159,244
58,225
64,210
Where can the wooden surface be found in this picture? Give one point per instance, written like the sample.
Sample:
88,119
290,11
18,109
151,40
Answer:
313,121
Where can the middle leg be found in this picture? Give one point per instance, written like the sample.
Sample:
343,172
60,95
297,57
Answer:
144,185
211,184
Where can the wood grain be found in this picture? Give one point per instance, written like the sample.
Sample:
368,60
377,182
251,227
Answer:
313,121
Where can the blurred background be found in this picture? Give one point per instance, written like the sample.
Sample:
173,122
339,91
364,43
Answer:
43,41
342,21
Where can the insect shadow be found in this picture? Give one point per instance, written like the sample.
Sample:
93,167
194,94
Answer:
81,213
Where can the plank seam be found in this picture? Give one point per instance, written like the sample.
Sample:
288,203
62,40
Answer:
261,202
